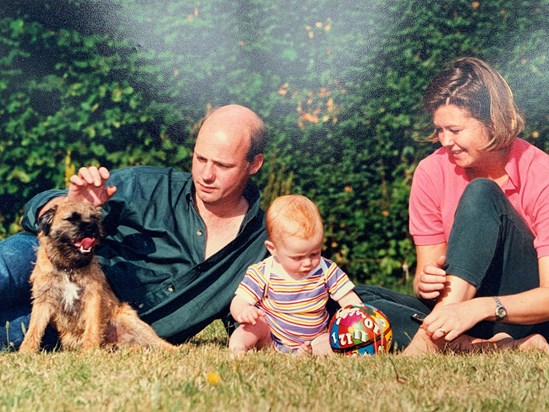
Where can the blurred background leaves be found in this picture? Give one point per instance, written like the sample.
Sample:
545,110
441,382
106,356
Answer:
339,84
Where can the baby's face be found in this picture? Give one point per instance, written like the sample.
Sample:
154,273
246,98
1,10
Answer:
298,256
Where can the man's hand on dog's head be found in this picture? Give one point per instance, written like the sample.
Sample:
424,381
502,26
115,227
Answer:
89,186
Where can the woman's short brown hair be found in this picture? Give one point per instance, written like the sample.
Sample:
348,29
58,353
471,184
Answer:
477,87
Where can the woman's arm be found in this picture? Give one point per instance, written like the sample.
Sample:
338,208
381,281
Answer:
458,311
529,307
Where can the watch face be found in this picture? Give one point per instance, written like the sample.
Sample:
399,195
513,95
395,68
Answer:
500,312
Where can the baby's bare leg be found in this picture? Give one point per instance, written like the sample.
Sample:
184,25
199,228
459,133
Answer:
248,336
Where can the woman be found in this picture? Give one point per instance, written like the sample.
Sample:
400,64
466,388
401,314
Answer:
479,216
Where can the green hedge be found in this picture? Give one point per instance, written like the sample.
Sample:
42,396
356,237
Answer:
339,84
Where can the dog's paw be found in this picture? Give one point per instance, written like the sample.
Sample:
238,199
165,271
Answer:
28,347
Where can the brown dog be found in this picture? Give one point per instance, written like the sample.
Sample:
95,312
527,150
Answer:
70,290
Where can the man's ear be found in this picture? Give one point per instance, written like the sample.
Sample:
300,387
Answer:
45,221
256,163
270,247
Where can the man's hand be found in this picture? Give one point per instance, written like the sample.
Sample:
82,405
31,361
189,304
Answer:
432,281
89,186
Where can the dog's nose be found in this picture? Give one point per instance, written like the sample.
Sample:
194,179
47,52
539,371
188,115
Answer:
88,227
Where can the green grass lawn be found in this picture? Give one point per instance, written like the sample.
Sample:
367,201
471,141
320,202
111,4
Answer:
203,377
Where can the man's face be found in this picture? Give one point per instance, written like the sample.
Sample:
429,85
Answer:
220,168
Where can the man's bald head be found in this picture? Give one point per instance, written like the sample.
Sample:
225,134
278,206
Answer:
240,117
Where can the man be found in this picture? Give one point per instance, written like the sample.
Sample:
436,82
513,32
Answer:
177,244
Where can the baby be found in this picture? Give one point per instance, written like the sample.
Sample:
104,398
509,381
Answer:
281,302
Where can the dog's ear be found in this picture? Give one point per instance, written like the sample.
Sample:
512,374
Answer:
45,221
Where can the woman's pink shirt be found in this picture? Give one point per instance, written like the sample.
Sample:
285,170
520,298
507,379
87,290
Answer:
438,185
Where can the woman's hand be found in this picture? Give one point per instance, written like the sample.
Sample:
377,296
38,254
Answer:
432,280
451,320
89,186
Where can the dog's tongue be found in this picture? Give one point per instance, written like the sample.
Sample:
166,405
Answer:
88,242
85,244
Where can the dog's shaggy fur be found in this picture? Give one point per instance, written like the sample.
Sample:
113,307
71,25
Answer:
70,290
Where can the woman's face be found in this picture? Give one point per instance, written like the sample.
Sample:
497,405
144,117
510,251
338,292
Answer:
461,135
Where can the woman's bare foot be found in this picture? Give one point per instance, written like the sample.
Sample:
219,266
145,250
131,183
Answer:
466,343
500,341
422,344
535,341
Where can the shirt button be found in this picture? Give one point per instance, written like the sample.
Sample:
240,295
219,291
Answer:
170,288
140,306
199,232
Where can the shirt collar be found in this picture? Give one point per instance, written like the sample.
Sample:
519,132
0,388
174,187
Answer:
512,168
251,193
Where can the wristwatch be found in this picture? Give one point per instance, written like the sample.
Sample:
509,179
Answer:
501,312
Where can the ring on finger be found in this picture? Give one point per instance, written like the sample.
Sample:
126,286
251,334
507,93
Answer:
442,331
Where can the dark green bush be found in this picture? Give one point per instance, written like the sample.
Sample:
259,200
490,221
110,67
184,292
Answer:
339,84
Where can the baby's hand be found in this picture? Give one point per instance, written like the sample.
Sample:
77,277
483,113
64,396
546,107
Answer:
249,315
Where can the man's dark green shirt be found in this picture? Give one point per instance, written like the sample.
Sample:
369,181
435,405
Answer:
153,252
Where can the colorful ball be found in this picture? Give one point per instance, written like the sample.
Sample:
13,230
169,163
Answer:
360,330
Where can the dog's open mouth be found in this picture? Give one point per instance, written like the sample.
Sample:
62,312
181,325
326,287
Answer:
85,245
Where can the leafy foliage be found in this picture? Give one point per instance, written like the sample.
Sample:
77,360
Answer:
125,82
